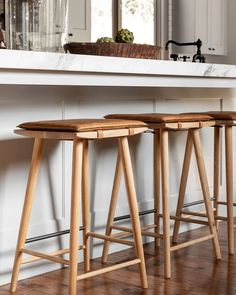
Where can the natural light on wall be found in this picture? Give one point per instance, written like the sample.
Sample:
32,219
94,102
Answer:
137,16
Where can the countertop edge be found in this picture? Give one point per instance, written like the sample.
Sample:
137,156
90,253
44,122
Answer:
46,61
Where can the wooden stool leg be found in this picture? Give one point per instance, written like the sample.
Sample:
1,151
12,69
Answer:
217,154
183,183
74,218
165,200
157,183
133,206
205,190
29,196
229,187
86,205
112,208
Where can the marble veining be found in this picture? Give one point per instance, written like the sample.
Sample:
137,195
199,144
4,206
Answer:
28,60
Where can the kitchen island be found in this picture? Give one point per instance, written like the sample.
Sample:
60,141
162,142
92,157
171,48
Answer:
38,86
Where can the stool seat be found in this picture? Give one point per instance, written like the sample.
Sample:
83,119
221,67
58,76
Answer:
223,115
80,125
217,115
162,117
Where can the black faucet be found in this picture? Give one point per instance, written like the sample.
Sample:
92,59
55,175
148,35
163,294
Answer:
198,43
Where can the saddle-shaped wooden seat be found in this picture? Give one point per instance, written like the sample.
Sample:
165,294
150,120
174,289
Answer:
171,121
81,125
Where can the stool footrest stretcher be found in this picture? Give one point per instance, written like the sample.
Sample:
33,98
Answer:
110,238
108,269
144,231
192,242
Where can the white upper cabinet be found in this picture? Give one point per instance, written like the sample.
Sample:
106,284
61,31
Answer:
204,19
79,21
210,25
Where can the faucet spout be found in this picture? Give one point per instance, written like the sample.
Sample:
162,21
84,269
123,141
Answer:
198,43
172,42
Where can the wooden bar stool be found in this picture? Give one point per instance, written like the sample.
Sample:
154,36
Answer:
162,124
80,132
227,120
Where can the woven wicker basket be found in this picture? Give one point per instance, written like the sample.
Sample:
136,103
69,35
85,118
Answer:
114,49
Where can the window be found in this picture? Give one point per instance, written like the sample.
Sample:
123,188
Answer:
101,19
138,16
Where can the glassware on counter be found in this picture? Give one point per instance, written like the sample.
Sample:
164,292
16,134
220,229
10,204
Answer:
38,25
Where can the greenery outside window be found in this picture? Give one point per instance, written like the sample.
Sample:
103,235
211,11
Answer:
139,16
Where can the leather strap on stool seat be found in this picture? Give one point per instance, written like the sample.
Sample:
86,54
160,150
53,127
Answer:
131,131
100,134
180,125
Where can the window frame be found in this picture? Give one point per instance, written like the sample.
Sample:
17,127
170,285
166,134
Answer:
158,19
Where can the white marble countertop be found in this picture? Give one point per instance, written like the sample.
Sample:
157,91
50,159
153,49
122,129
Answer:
29,60
44,68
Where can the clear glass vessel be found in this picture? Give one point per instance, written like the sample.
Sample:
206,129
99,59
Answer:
38,25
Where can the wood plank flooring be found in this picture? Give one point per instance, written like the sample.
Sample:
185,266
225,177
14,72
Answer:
194,271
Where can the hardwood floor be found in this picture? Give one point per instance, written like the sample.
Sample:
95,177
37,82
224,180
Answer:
194,271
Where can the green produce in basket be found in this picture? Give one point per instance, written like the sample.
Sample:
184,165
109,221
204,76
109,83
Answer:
124,36
105,40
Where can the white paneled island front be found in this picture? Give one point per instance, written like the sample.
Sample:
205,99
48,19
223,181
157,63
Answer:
38,86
